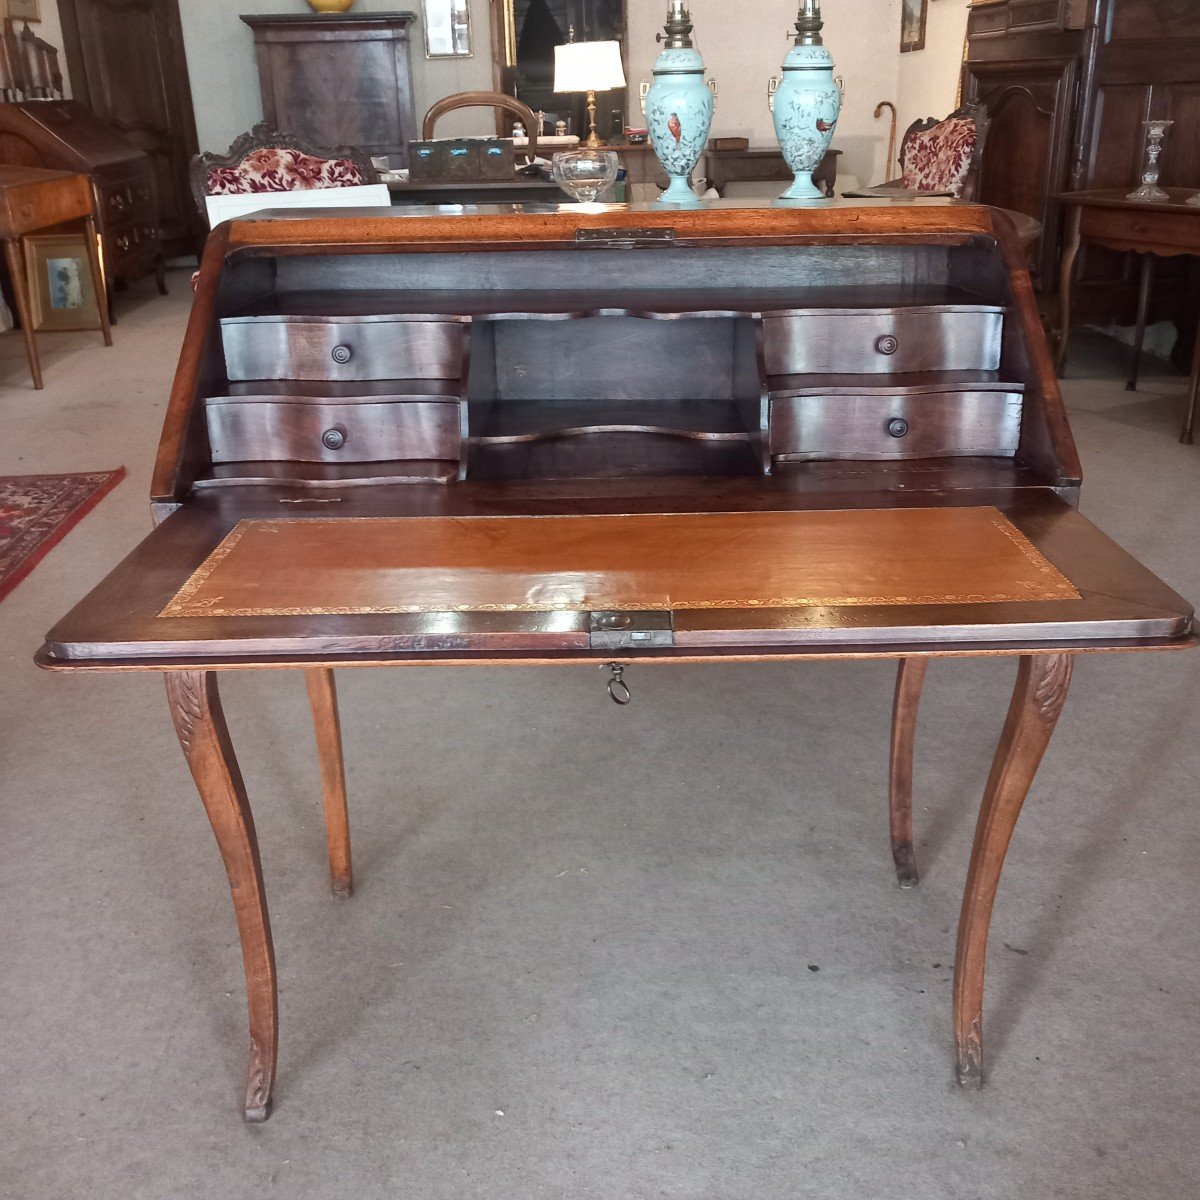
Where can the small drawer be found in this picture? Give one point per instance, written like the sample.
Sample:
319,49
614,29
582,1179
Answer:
131,243
352,348
285,429
879,341
945,424
988,21
1039,14
119,202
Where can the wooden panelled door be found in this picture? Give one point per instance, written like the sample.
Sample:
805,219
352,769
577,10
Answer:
1031,107
126,63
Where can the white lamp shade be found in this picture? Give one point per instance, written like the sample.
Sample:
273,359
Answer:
588,67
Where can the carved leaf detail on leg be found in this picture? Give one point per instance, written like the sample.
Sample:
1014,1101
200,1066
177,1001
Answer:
259,1079
186,690
1050,693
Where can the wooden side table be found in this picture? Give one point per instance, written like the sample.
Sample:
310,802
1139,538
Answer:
724,167
33,199
1165,229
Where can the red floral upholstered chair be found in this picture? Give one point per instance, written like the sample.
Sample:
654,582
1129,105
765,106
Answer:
266,161
941,157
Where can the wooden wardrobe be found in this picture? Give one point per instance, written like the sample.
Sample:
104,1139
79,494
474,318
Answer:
127,65
1068,84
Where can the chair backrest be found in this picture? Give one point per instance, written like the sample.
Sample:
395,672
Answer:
29,67
265,160
484,100
945,155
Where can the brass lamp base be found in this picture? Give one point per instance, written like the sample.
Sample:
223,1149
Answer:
593,138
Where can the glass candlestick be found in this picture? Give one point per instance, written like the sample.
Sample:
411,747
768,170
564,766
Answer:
1155,132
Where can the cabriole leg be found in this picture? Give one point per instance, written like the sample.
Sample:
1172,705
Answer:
1145,285
200,724
1070,253
1042,682
322,695
1187,437
910,680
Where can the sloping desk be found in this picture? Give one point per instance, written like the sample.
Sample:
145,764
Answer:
33,199
721,510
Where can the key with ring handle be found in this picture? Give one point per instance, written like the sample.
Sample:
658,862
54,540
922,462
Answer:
618,689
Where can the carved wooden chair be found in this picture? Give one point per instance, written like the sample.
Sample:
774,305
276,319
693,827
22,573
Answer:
29,67
942,157
265,160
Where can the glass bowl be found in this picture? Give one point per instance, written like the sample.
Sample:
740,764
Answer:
585,174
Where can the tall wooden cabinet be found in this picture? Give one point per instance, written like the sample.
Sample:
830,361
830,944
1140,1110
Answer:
127,64
339,81
1068,84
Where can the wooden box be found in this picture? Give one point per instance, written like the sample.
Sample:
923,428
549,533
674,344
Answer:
462,160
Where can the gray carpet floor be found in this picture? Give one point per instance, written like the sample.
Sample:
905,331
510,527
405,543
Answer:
593,953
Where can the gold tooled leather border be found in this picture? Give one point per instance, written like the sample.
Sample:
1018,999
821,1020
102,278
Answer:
182,604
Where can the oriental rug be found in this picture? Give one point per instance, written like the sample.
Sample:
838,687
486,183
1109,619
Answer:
37,512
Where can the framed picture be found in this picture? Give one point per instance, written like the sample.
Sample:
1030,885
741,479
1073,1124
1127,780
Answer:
61,295
447,28
22,10
912,25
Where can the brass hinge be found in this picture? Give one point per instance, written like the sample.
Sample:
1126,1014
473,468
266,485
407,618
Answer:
624,239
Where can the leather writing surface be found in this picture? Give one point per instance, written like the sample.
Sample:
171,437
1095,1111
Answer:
629,562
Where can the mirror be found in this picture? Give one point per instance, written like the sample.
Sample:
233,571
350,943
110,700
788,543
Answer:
524,34
447,28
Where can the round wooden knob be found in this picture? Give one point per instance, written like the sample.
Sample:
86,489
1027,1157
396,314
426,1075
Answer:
333,439
342,354
887,344
897,427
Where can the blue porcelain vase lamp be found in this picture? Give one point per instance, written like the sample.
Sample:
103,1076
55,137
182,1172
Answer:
679,106
807,104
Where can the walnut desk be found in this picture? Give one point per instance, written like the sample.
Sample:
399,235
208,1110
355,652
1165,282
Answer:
32,199
1154,230
777,434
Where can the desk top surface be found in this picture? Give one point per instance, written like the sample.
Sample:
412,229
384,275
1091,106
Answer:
18,176
1177,205
32,198
467,573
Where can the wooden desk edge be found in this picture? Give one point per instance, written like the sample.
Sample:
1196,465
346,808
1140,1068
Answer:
48,661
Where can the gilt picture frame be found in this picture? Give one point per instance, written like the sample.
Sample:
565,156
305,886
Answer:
61,294
447,28
22,10
913,16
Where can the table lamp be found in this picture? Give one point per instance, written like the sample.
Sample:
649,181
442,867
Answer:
589,67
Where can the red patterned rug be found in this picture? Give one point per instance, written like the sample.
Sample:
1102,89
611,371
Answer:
37,512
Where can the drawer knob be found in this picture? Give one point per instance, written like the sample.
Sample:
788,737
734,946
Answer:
334,439
342,354
887,344
897,427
